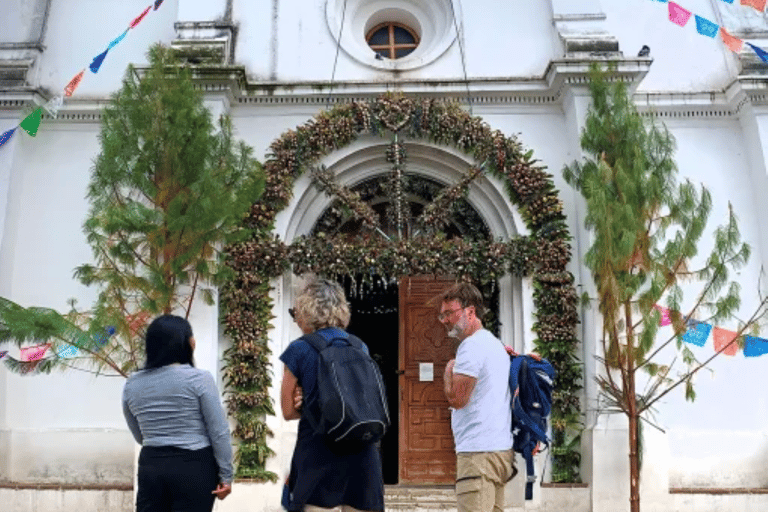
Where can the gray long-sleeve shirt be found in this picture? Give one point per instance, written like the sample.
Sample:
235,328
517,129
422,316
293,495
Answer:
178,405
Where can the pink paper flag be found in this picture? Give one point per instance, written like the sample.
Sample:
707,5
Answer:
734,43
139,17
34,353
722,339
72,85
678,15
757,4
665,319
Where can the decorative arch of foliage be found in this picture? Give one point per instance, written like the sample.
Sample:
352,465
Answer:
543,256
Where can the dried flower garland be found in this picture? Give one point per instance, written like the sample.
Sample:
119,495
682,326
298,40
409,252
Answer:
543,255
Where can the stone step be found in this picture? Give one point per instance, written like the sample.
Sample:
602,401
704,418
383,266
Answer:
416,498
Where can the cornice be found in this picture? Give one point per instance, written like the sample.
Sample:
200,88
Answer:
561,76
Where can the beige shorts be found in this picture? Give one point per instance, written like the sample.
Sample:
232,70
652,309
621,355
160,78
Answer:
480,480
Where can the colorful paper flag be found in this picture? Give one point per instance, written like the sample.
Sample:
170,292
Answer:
34,353
139,17
697,333
7,135
68,352
665,318
31,123
757,4
53,105
158,3
724,338
102,338
72,85
117,40
678,15
97,60
754,347
135,322
3,354
706,27
734,43
760,52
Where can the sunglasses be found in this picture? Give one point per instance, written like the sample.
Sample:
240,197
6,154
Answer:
445,314
292,312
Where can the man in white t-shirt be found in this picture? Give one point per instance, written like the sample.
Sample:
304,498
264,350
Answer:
477,388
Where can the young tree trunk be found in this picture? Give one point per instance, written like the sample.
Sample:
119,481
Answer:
634,464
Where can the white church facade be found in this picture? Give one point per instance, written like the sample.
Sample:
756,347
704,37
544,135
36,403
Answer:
275,65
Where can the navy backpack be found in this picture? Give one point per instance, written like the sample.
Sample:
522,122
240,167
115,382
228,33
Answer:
350,410
531,380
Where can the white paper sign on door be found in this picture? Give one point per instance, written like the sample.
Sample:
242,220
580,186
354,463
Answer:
426,372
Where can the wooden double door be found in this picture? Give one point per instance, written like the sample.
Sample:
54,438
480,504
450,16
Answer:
405,338
426,450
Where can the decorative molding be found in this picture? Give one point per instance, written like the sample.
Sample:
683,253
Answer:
592,16
14,72
547,91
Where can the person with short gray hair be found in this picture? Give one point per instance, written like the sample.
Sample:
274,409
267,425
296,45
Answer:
322,476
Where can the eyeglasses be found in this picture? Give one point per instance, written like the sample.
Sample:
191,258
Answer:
445,314
292,312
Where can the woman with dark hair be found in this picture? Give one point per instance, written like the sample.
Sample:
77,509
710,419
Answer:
173,410
322,477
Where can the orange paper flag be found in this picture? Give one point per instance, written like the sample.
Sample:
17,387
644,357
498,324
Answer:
734,43
722,339
137,321
757,4
72,85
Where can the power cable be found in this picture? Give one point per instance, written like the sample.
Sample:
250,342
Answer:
463,59
336,59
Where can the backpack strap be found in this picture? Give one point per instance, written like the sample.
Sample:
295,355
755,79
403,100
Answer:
319,342
316,341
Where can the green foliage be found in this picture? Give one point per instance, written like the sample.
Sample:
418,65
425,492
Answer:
647,229
544,255
168,189
37,326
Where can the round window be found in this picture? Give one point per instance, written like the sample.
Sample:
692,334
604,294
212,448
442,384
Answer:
392,40
393,34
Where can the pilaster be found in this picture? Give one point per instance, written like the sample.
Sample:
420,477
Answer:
751,91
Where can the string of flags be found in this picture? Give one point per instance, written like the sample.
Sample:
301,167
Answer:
36,353
698,332
31,123
680,16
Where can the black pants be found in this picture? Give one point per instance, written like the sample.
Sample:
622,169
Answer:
176,480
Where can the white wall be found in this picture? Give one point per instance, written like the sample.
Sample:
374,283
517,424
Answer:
68,427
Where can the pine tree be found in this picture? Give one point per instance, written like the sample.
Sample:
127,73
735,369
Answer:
646,229
168,191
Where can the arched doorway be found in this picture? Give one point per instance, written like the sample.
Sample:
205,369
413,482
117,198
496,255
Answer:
393,317
340,148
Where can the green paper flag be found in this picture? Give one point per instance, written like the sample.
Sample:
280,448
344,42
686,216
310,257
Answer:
32,122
